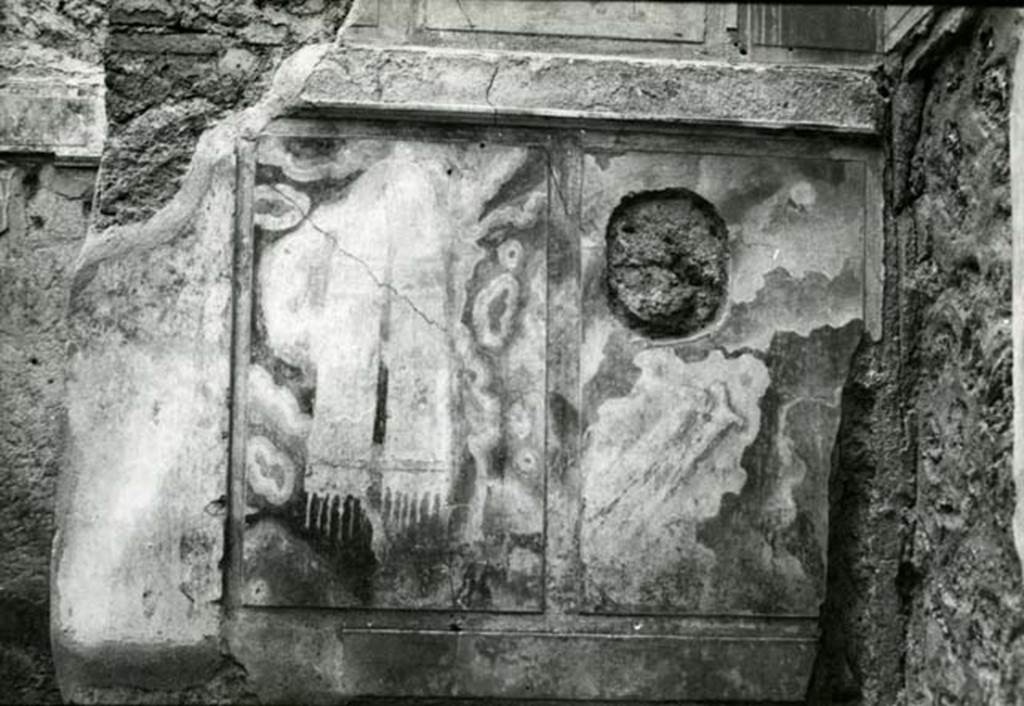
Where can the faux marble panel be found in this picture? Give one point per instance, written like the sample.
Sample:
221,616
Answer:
395,448
706,458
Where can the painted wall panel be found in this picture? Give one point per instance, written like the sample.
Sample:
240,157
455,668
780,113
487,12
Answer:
395,455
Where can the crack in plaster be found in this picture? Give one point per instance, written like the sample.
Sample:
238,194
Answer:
308,217
487,92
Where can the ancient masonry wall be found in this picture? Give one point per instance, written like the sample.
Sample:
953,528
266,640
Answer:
41,229
959,578
925,601
44,210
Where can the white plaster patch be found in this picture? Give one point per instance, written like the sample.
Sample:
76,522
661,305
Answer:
142,458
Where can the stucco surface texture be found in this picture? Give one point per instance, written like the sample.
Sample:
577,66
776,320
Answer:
396,445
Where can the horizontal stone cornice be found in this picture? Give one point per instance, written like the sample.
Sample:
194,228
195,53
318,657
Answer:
519,87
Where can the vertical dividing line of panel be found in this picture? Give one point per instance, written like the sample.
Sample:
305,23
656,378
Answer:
563,490
241,290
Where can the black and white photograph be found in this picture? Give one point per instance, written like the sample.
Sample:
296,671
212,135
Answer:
511,352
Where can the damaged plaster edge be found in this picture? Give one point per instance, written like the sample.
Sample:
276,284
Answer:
1017,216
214,153
915,20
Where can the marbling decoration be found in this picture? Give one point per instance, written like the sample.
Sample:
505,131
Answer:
705,457
395,456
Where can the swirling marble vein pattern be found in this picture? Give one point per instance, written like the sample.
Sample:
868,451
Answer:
706,458
401,295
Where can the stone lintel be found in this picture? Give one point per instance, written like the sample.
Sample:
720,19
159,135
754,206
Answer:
51,104
484,86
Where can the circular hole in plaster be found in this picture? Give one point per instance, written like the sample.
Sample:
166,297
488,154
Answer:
667,262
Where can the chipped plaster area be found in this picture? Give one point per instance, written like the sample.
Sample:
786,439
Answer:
141,505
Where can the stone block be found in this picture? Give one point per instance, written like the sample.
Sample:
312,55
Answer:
52,104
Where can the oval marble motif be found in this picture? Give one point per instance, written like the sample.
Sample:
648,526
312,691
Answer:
269,471
510,254
494,310
278,206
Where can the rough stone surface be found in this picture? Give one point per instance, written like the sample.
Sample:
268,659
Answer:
667,261
44,216
925,588
425,82
176,68
963,586
51,101
75,28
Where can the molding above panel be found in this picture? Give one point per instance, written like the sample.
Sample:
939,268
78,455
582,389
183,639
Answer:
526,88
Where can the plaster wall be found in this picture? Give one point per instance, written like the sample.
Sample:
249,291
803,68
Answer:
159,308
